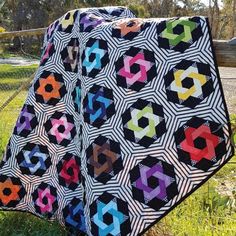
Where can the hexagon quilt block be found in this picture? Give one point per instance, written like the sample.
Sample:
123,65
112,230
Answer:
69,171
189,83
153,182
67,21
49,88
179,34
98,105
109,216
104,159
129,28
200,143
95,57
89,21
135,68
70,55
12,191
34,159
73,214
143,122
60,128
26,122
45,200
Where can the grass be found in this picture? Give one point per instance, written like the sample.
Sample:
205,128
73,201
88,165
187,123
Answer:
13,76
7,54
204,213
25,224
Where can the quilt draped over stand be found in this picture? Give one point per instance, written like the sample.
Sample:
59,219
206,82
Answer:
124,119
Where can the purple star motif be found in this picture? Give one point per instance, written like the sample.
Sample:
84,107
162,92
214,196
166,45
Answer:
89,21
26,121
163,180
153,182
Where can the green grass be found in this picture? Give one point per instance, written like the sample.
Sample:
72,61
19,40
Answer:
25,224
6,54
204,213
11,77
9,116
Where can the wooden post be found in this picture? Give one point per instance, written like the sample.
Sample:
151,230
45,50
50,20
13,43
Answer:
225,52
31,32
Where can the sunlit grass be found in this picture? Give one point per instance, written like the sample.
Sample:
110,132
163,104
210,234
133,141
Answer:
12,77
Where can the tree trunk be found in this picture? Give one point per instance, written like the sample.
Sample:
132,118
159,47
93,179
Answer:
222,28
233,19
216,19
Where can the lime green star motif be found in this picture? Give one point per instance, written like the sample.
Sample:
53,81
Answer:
143,122
185,36
152,120
179,34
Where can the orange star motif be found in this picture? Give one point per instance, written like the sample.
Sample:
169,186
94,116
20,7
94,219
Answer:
12,189
127,26
53,92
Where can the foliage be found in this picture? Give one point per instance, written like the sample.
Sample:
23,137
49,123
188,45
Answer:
2,29
233,126
18,15
28,14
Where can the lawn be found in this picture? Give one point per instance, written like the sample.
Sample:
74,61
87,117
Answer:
11,78
209,211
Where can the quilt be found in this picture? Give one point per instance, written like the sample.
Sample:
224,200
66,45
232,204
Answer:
124,119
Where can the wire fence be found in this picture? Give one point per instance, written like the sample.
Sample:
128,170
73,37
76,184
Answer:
17,68
12,98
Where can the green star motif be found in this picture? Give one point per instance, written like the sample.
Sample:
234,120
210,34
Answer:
185,36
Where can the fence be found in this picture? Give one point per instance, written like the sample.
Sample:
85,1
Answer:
14,84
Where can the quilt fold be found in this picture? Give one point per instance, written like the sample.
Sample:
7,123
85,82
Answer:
125,118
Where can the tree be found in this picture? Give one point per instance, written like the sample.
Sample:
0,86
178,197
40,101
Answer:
233,18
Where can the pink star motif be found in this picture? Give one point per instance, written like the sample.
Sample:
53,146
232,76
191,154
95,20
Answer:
139,76
61,135
50,200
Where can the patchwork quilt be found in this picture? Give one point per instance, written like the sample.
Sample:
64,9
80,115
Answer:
124,119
